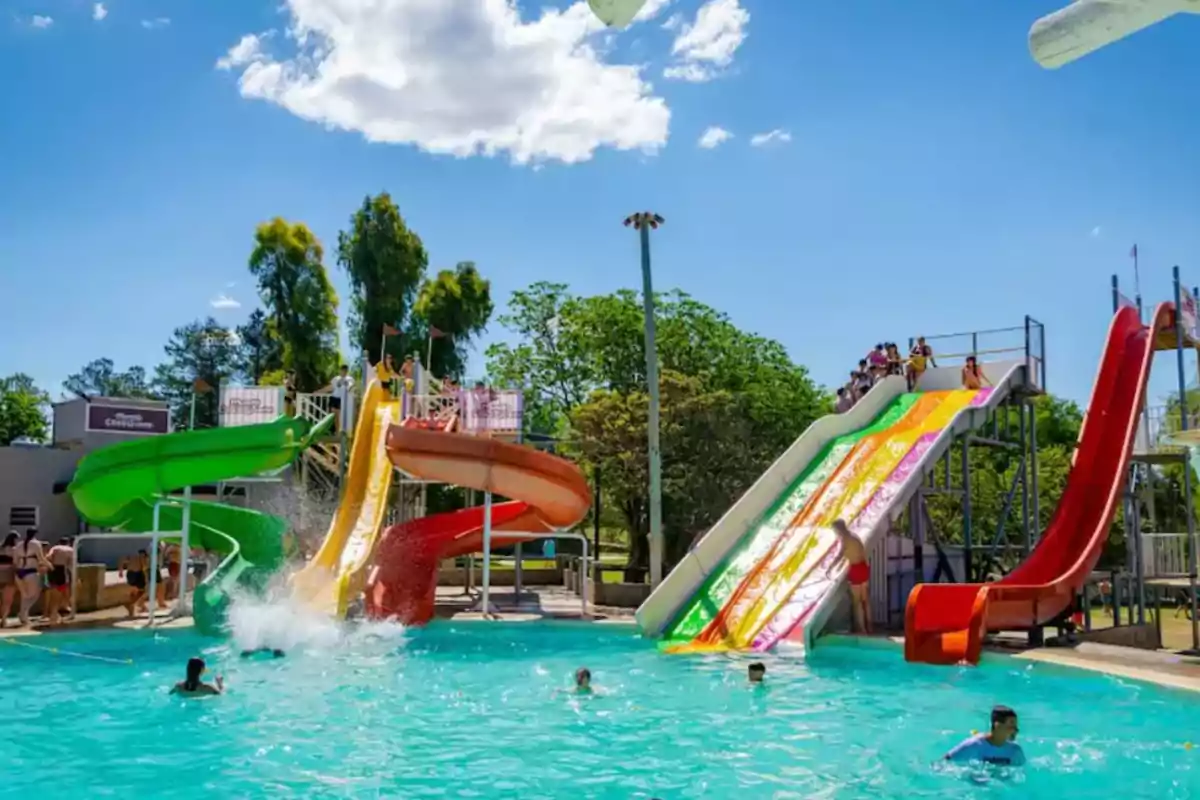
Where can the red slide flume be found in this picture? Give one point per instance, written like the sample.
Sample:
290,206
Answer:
549,494
946,623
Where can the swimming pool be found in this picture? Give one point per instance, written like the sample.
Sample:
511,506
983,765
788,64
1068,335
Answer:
471,710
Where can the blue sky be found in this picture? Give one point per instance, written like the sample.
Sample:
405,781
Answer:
933,178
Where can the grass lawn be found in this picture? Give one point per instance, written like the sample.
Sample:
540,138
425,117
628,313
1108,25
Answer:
1176,629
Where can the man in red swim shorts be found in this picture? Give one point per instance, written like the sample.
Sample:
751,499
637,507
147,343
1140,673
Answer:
859,575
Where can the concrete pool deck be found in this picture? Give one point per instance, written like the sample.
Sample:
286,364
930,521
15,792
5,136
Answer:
1163,668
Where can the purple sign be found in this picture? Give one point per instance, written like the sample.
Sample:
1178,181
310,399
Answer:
137,420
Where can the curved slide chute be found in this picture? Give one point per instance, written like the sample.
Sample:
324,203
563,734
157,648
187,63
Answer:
946,623
118,486
331,580
549,494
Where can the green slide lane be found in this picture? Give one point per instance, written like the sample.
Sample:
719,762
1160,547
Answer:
755,545
117,487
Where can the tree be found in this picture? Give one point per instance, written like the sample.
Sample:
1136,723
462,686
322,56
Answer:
100,378
23,410
300,301
458,304
201,350
385,263
258,352
735,399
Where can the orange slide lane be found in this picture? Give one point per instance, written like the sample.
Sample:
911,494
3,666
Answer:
946,623
548,494
821,508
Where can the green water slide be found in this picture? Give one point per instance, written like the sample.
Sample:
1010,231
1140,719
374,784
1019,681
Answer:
757,542
118,486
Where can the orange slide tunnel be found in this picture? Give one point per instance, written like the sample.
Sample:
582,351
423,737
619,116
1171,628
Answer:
549,494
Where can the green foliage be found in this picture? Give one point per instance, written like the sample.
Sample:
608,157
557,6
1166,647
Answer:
385,263
23,410
100,378
287,261
258,352
200,350
458,303
732,400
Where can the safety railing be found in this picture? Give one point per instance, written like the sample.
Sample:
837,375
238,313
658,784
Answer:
1022,342
1165,555
314,407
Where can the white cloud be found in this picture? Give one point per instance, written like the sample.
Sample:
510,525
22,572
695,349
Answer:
714,136
224,302
40,21
651,10
776,136
248,50
99,11
673,22
231,284
704,48
157,22
1096,231
457,77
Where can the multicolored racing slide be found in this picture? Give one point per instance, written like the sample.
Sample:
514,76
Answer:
118,487
781,580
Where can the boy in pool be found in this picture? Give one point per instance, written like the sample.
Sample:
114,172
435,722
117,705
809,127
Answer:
583,681
756,672
192,686
997,747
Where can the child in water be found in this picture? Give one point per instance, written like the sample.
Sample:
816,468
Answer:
583,681
192,686
756,672
999,746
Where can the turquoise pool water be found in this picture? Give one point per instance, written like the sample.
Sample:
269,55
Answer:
471,711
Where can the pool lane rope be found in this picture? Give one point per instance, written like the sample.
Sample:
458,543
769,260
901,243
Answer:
57,652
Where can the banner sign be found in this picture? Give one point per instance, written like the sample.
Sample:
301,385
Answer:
1187,313
136,420
489,410
250,405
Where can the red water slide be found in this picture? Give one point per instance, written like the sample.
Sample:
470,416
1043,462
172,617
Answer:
549,494
946,623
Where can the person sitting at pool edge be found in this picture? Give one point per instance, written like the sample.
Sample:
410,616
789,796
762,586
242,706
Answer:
756,672
997,747
192,686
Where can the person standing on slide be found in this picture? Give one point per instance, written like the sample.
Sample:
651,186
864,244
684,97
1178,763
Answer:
859,575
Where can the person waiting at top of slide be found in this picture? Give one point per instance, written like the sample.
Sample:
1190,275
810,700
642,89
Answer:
859,575
339,391
998,746
385,372
877,358
919,359
972,375
845,401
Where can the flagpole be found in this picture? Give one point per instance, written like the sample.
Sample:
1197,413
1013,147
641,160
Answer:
1137,281
429,355
383,344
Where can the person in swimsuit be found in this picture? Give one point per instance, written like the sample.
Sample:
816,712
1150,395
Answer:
756,672
859,575
171,555
30,560
583,681
999,746
972,375
919,358
895,364
192,686
136,571
58,599
8,576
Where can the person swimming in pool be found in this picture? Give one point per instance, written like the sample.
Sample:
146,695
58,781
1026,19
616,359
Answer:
192,686
756,672
274,651
999,746
859,575
583,681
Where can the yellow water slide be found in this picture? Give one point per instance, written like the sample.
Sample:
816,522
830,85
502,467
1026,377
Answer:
337,573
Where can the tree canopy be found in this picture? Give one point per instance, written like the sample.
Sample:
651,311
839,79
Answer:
732,400
386,264
301,305
199,351
23,410
101,378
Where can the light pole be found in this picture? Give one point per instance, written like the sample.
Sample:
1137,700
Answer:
645,221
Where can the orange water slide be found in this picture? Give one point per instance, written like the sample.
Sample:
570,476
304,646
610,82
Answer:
946,623
548,494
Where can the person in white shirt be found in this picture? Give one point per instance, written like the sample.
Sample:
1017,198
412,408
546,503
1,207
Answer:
340,390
